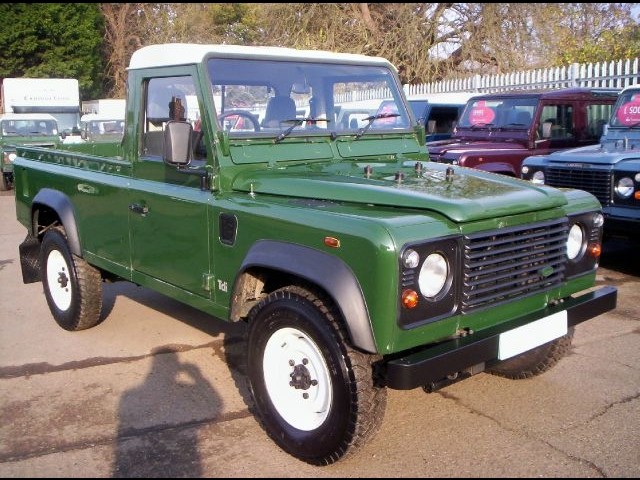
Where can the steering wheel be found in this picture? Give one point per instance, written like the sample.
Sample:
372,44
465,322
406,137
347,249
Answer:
240,113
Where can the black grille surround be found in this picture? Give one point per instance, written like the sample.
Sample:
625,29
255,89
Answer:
597,182
512,263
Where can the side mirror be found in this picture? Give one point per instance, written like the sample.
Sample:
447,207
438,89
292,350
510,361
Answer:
178,143
301,88
546,129
431,126
83,134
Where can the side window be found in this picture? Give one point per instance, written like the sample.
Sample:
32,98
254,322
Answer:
561,119
166,98
597,116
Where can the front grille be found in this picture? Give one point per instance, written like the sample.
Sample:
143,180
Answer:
507,264
596,182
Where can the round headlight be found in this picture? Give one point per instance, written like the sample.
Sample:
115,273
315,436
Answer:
433,275
538,177
410,258
12,156
624,188
525,169
598,220
575,242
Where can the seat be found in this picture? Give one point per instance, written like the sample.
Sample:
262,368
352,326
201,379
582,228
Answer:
176,109
278,109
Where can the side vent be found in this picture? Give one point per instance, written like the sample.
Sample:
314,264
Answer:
228,226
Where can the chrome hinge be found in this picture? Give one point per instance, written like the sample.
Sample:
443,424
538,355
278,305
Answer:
208,281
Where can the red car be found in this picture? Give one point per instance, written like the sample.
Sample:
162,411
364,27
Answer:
496,132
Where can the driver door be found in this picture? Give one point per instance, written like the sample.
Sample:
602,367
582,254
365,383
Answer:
168,211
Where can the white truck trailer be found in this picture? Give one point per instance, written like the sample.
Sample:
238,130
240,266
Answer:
59,97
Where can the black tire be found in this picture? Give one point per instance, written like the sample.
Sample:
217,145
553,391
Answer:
73,288
536,361
343,407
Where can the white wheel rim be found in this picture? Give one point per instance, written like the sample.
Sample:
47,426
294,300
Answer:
59,280
307,406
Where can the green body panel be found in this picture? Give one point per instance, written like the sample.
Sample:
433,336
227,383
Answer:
145,221
176,243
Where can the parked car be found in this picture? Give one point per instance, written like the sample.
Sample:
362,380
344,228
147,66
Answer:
496,132
609,170
38,129
101,128
352,115
439,112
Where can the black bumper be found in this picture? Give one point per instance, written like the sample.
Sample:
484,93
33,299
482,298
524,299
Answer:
435,363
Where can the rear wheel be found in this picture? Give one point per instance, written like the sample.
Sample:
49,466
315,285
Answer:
73,288
535,361
315,396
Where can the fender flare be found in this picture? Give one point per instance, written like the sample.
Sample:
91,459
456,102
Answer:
325,270
61,204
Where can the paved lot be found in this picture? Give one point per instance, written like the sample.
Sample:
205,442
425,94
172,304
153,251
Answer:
156,390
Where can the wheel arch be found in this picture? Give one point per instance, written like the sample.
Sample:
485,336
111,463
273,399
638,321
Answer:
49,204
315,267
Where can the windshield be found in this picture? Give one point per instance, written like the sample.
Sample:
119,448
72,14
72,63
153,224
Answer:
68,122
104,127
626,112
288,98
31,127
514,112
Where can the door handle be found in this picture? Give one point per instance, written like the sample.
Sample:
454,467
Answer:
137,208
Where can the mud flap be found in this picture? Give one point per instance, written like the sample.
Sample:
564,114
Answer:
30,259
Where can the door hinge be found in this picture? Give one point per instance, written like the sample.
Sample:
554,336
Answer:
208,281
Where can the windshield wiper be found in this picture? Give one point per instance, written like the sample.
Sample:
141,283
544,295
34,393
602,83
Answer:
296,122
372,119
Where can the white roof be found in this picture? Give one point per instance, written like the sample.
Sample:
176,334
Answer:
190,53
26,116
631,87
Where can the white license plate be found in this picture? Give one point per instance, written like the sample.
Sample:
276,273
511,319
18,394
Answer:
534,334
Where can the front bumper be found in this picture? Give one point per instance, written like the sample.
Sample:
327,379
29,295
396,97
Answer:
622,220
433,364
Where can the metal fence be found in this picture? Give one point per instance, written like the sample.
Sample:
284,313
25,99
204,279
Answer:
613,74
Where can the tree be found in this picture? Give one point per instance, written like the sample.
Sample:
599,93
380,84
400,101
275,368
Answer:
121,39
428,42
57,40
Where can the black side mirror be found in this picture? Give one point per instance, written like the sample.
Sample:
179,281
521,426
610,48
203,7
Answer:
178,143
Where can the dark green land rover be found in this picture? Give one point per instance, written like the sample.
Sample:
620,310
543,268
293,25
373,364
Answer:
357,263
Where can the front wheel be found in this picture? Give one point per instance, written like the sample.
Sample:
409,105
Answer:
73,288
535,361
315,396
